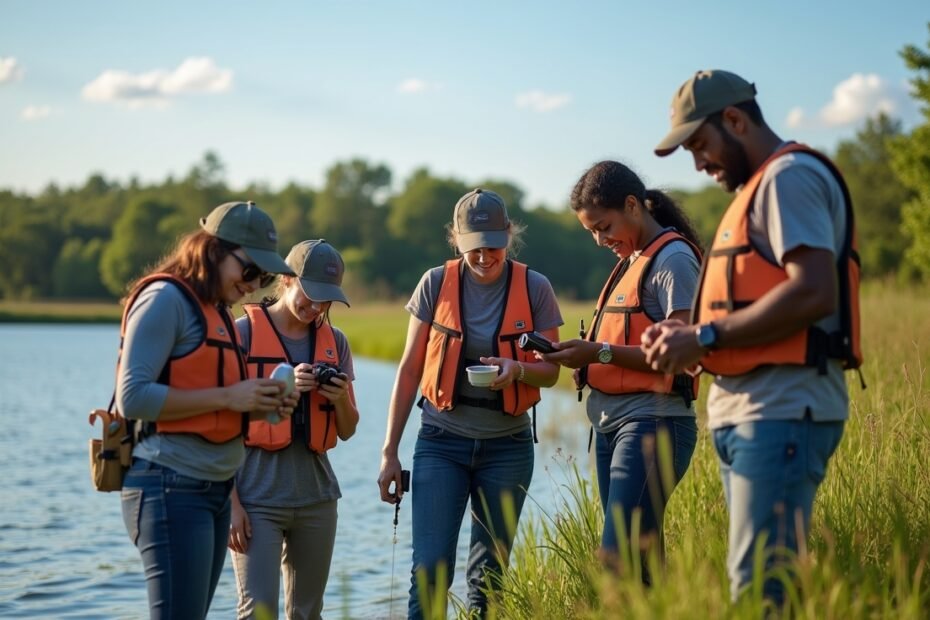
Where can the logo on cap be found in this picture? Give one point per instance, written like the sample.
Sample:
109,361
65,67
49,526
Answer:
479,217
332,269
272,235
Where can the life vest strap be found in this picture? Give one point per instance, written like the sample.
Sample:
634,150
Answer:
494,404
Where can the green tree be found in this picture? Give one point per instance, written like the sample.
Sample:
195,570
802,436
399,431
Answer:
417,221
911,162
76,274
139,240
345,211
877,193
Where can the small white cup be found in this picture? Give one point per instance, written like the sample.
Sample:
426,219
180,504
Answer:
481,376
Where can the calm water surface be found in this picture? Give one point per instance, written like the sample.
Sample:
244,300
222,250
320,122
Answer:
64,552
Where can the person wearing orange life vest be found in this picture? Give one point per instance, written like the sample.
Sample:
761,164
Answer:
630,405
776,319
182,379
286,490
475,443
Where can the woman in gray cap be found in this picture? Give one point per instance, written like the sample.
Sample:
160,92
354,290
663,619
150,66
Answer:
475,443
181,379
286,491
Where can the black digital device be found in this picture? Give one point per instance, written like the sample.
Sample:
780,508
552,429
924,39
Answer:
325,373
405,480
534,341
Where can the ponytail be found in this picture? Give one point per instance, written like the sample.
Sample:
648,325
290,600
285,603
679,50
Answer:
668,214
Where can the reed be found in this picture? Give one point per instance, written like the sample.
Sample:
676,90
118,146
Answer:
870,541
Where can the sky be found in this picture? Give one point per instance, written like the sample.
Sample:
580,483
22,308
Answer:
529,92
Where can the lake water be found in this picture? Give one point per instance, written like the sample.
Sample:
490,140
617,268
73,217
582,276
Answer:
64,552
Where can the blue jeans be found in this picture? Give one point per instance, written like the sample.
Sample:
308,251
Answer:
630,477
180,526
448,470
771,471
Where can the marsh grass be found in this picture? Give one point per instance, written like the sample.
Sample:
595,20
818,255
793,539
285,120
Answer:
869,546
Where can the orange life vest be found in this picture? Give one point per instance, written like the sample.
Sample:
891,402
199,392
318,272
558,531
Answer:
217,361
444,368
314,421
735,275
621,319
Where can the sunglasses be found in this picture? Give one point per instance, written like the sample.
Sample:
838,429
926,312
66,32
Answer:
251,271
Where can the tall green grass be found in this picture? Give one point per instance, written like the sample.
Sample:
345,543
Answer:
870,536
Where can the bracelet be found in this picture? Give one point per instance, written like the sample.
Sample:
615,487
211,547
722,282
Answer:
522,372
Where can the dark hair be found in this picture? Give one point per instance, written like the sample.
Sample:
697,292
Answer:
607,184
750,108
195,259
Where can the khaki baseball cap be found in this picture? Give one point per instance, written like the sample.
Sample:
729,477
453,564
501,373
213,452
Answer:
319,268
480,221
704,94
247,226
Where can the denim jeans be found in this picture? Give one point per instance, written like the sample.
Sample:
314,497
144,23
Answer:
180,526
771,471
630,476
448,471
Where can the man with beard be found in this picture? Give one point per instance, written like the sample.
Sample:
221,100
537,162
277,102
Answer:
775,319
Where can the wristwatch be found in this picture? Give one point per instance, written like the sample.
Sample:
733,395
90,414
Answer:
707,336
605,354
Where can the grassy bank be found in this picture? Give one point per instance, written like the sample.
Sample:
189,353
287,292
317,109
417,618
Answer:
870,539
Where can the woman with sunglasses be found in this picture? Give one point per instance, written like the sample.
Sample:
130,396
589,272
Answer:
630,406
284,501
182,381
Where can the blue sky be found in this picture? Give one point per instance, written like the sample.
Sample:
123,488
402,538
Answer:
531,92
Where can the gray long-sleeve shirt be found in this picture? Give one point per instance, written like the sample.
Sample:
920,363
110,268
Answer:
162,323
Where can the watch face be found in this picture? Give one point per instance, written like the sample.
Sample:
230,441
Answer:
604,356
707,336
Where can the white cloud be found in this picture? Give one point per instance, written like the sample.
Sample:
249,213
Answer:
858,97
542,102
796,118
413,86
35,112
10,70
194,75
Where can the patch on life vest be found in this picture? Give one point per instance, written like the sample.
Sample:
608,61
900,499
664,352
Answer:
329,353
519,324
620,298
725,235
221,331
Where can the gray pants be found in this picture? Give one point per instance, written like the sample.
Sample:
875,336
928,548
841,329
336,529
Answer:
300,541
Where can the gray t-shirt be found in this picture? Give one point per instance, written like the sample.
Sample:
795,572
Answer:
482,305
669,286
798,203
163,323
294,476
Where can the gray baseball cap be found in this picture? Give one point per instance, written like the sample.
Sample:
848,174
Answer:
247,226
704,94
320,269
480,221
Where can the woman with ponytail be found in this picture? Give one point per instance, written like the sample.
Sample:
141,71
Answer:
644,420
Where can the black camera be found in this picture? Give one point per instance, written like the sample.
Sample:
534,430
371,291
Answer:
325,372
534,341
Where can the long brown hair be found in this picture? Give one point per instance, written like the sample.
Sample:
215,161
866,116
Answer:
195,259
607,184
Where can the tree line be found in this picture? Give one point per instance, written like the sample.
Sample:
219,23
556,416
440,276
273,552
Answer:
88,242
